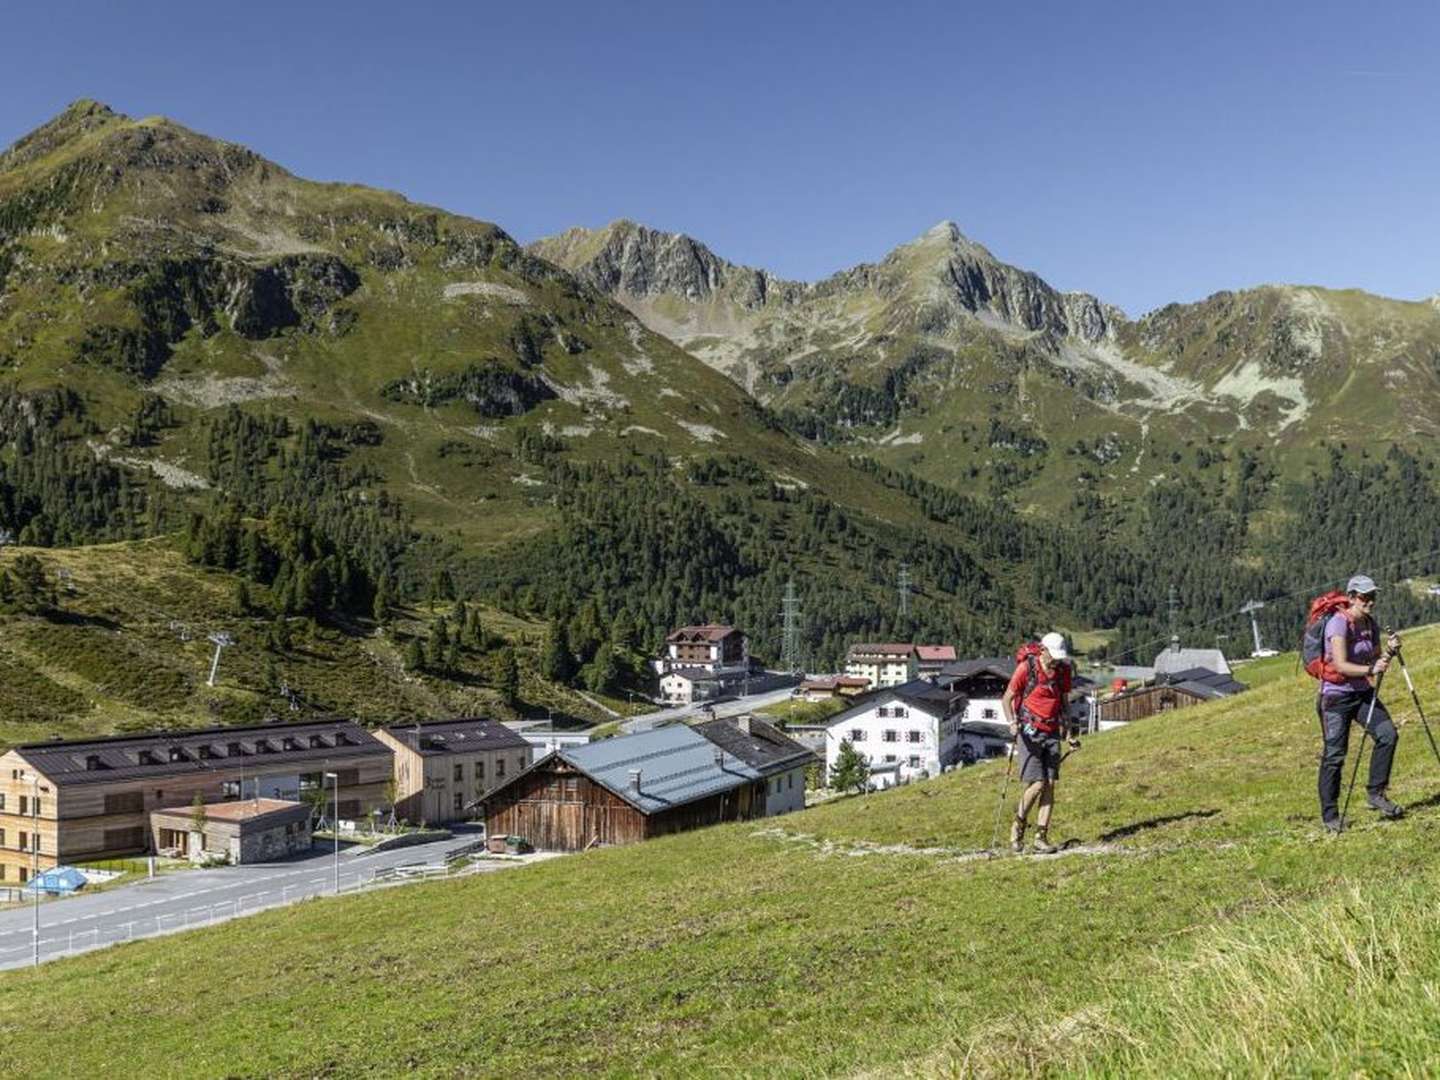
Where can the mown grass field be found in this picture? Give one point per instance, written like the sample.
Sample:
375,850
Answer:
1202,924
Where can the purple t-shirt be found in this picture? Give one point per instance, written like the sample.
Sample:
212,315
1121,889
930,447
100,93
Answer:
1359,649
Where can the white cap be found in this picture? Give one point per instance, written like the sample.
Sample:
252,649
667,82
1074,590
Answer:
1054,644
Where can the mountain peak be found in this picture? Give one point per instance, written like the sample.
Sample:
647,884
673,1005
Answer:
78,119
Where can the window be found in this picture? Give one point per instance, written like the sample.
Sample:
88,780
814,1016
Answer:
479,770
39,810
891,735
520,764
2,801
914,735
889,759
24,875
459,802
317,742
882,711
290,743
24,841
92,762
499,767
2,871
126,802
177,753
2,837
230,789
914,761
459,771
901,711
987,713
207,752
234,749
24,805
790,782
159,794
857,734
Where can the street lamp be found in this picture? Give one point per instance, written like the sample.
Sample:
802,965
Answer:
336,777
35,857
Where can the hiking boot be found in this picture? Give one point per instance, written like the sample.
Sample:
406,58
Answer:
1017,835
1388,809
1042,844
1334,825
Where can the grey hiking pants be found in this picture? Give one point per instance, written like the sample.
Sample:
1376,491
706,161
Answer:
1337,712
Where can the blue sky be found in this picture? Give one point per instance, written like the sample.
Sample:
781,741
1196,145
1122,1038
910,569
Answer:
1144,152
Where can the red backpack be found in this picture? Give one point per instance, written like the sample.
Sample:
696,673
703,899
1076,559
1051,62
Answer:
1029,655
1312,644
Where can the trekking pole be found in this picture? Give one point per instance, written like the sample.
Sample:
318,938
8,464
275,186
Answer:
1416,698
1374,697
1004,790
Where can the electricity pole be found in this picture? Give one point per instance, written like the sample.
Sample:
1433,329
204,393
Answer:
904,586
790,628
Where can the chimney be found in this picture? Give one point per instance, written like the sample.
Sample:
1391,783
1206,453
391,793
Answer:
719,758
635,781
743,723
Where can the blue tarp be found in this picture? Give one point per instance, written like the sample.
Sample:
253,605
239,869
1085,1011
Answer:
62,879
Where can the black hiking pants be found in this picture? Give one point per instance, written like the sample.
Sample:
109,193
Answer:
1337,712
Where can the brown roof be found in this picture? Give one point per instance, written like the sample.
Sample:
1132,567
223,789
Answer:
936,652
236,809
707,632
881,650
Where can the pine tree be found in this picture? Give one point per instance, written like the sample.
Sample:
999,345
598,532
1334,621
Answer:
414,656
506,675
557,664
851,771
384,601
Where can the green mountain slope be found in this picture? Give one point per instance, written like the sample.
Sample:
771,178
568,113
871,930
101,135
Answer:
861,937
943,359
181,319
126,648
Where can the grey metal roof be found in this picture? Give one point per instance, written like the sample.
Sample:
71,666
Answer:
1174,659
935,700
677,765
1004,666
1204,677
118,757
463,736
764,746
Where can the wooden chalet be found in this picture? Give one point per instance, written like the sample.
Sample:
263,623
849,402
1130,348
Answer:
1182,689
623,790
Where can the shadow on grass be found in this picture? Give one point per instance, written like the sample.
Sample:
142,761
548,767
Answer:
1155,823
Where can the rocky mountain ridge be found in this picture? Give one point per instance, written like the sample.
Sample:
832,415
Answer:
940,338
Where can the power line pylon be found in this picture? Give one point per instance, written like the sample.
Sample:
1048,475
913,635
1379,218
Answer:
790,629
903,584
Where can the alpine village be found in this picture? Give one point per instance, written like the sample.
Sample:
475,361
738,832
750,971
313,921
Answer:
426,653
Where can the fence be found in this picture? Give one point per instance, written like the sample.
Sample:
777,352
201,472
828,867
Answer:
54,945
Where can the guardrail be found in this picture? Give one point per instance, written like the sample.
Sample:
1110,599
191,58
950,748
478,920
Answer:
69,943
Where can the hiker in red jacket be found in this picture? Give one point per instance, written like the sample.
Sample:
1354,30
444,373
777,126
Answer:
1034,707
1353,657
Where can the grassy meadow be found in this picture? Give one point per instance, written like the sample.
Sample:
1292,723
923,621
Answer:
1199,923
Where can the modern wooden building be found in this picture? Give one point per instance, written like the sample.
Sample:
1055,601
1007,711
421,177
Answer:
626,789
442,767
95,797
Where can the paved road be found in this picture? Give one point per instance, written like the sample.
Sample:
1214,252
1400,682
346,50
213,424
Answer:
175,901
649,721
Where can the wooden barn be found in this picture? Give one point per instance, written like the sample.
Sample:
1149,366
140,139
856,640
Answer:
626,789
1190,687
